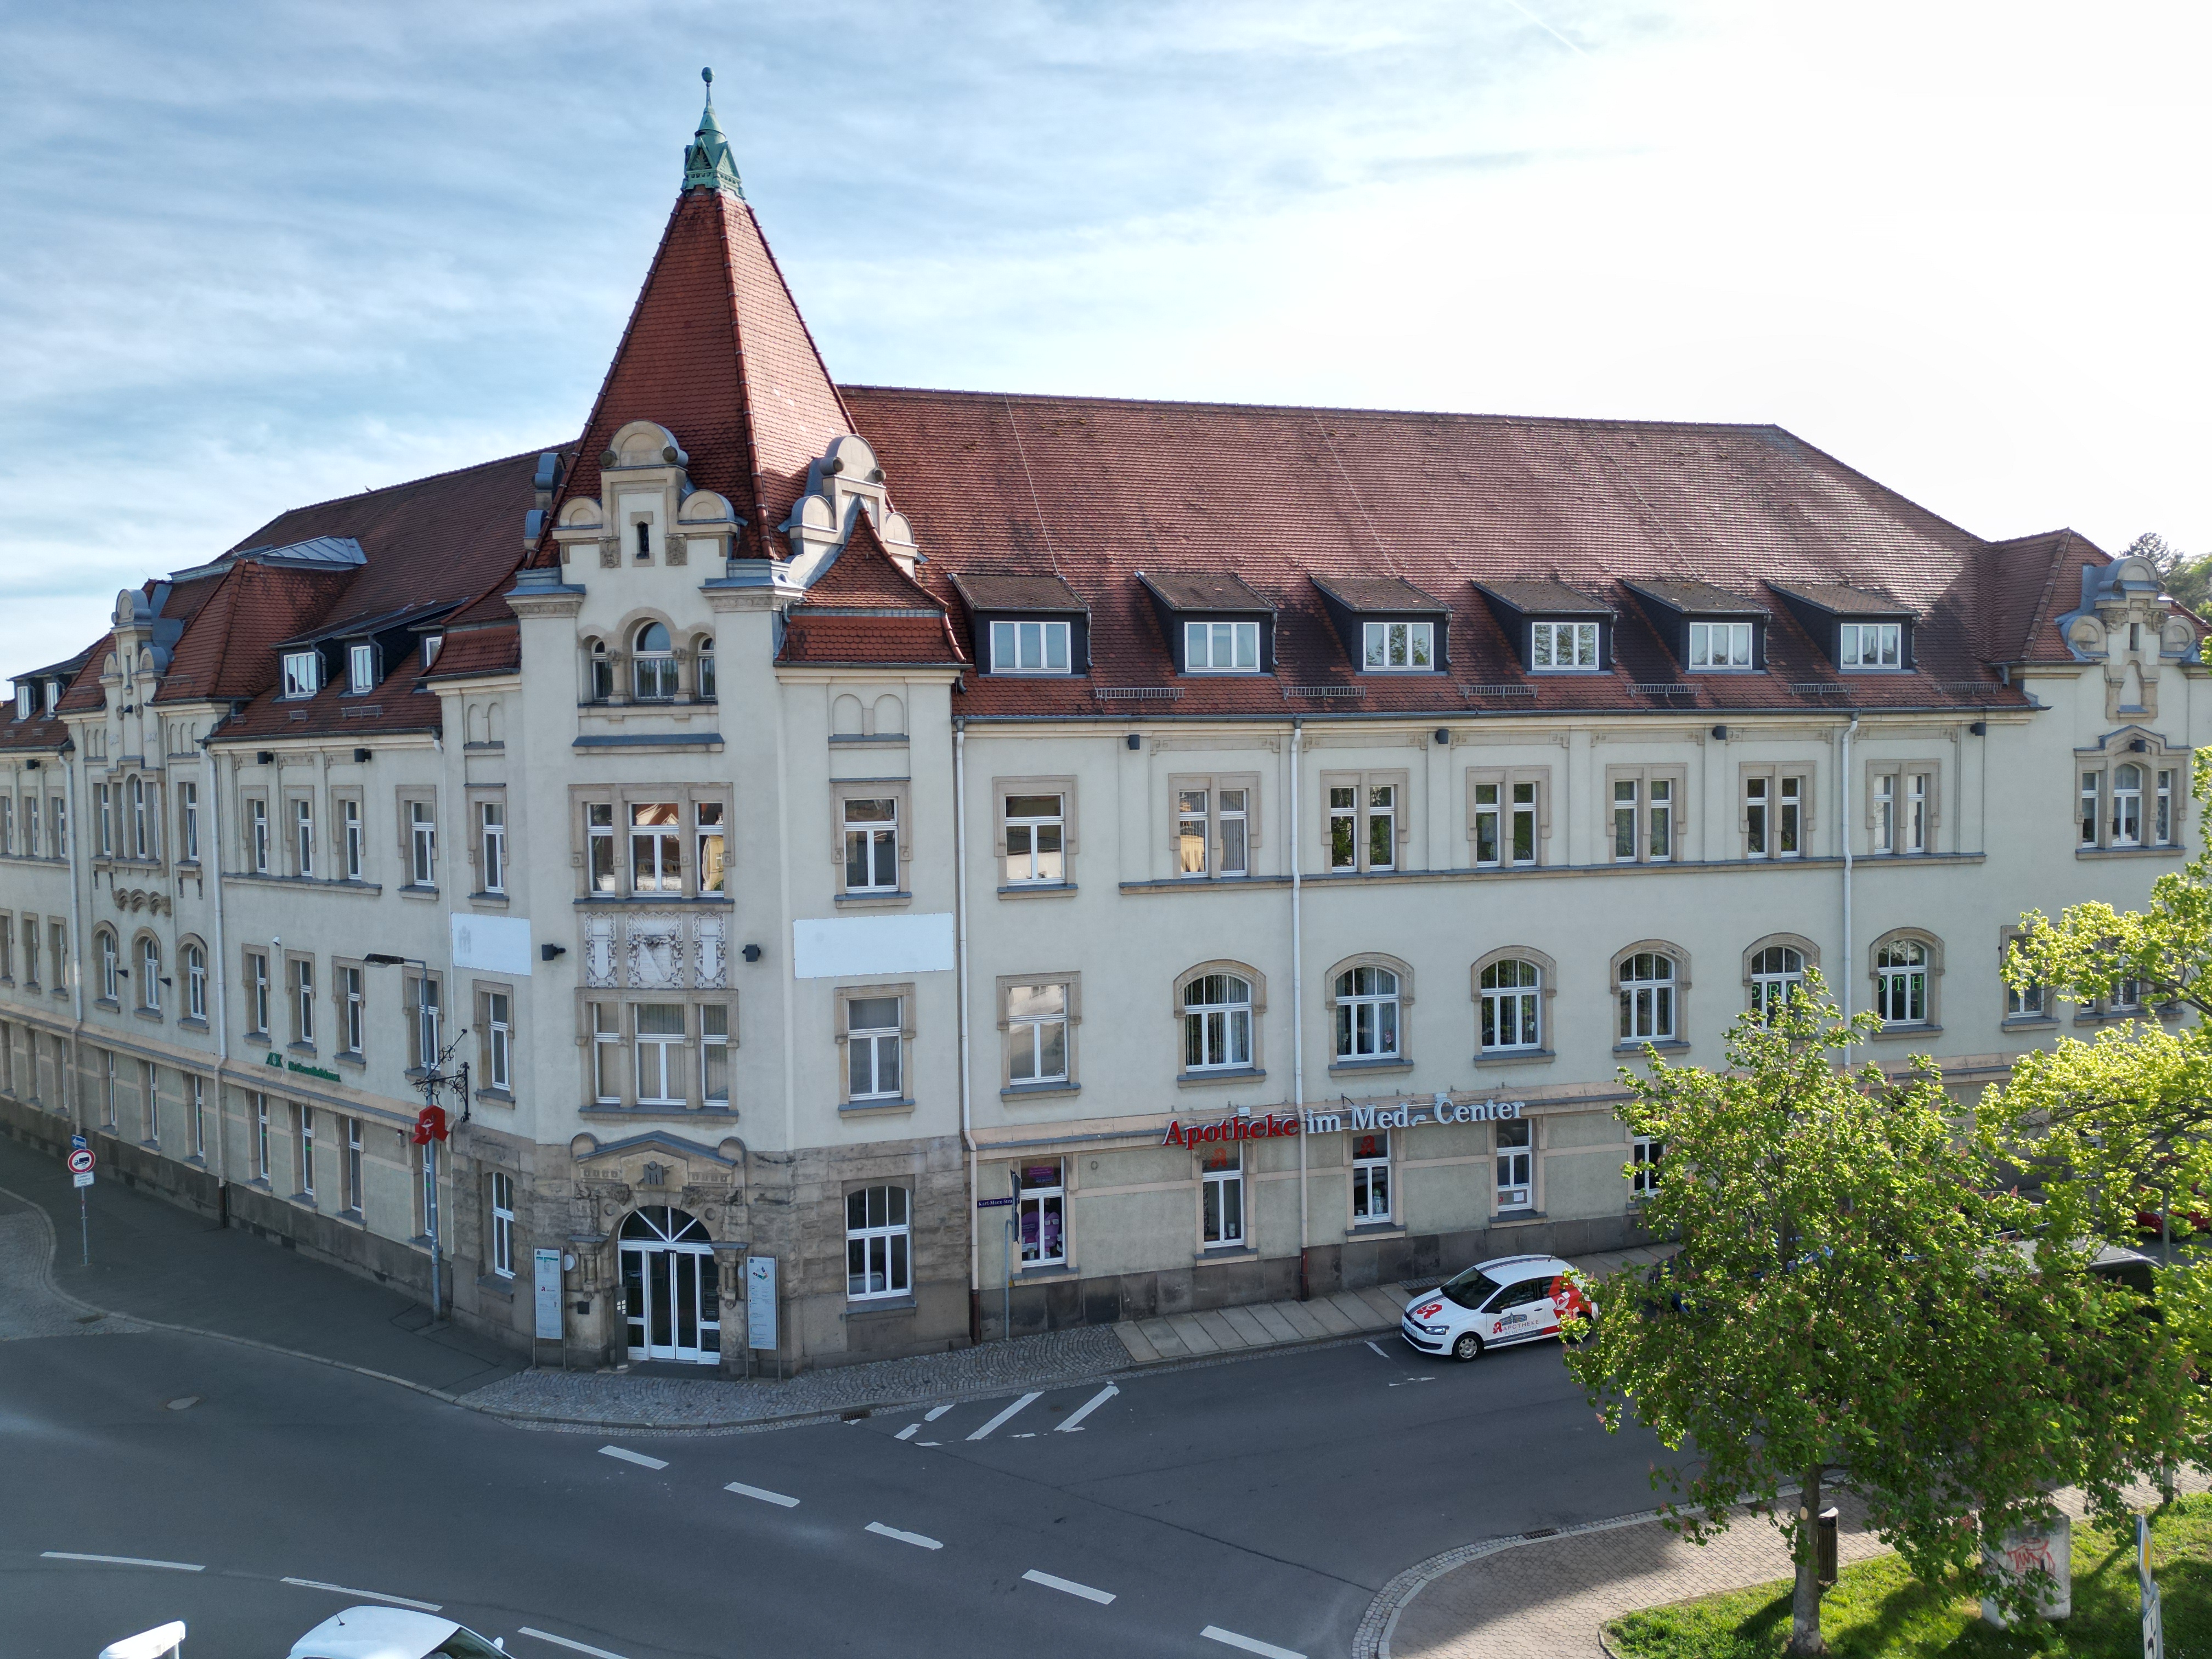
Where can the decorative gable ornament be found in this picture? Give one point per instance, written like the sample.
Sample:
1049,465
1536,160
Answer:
707,164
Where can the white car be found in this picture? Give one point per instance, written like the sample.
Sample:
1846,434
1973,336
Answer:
393,1633
1507,1299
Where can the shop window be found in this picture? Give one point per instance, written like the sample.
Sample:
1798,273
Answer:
1037,1034
872,1039
1647,998
1221,1200
1370,1180
1041,1214
1516,1160
1367,1011
1217,1023
878,1244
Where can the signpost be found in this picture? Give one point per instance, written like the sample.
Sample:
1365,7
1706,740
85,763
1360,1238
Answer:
546,1285
2154,1613
759,1309
81,1161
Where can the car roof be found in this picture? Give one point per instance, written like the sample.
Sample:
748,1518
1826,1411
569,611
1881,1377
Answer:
374,1633
1505,1268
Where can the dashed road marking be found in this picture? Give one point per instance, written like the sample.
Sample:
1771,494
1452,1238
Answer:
908,1432
762,1493
1379,1354
1231,1639
573,1647
120,1560
936,1412
1075,1418
638,1458
914,1537
1102,1597
373,1596
1003,1416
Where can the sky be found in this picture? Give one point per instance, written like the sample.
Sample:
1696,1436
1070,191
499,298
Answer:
258,254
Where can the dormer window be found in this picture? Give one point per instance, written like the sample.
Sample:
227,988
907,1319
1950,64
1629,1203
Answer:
25,700
361,668
1029,648
432,645
302,673
1870,645
1554,646
653,664
1720,645
1221,647
53,696
1401,646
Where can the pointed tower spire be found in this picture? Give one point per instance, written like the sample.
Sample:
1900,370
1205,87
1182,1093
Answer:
707,162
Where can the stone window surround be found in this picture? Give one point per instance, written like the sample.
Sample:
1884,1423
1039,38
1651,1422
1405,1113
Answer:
1933,1022
1681,961
626,1040
406,796
477,796
1258,981
294,961
1213,783
1774,772
1677,773
338,965
1505,777
2156,756
358,796
2007,936
615,640
1072,980
140,1002
1403,1060
288,858
843,997
247,799
1547,985
1400,778
480,992
1900,769
1062,786
622,797
896,789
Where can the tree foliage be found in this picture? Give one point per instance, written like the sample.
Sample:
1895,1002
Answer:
1855,1304
2188,580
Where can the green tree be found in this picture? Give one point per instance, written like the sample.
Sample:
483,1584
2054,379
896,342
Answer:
1854,1306
2188,580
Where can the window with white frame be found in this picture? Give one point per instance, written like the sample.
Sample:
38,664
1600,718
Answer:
60,843
1515,1159
499,1039
1213,832
1029,648
1036,829
714,1053
600,670
873,1033
109,968
1398,647
303,836
1217,1023
1362,824
195,983
1367,1010
26,701
103,803
1789,815
7,827
1221,647
1882,808
2127,814
1370,1180
703,662
1776,970
429,1038
1221,1196
1647,997
2092,796
1919,817
257,835
1644,819
607,1053
303,673
188,822
1773,816
1040,1213
714,854
350,839
1511,992
652,663
600,839
1872,645
1901,982
2162,810
261,1168
2126,996
350,1021
352,1187
57,948
303,1145
140,836
871,827
56,826
257,992
1503,822
303,1001
360,668
660,1031
150,975
197,1086
422,843
502,1223
1554,646
1720,645
878,1244
1644,1154
491,831
2028,1001
1037,1034
656,847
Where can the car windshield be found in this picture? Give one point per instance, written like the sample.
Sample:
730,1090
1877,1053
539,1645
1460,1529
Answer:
463,1644
1471,1288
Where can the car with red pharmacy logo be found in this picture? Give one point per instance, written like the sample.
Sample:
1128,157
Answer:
1493,1304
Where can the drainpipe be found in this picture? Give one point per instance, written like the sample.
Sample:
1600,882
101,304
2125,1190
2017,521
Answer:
80,901
1292,820
966,1069
212,853
1844,829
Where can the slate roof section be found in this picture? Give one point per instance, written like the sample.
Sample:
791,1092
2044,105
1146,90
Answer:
1380,596
1276,496
716,351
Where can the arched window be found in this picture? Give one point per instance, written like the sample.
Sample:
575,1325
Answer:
1511,997
1775,972
1366,1014
1900,968
600,670
1647,997
108,967
703,649
1217,1023
195,983
149,975
2127,805
652,663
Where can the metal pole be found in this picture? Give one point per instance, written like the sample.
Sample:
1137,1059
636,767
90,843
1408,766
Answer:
84,1223
430,1216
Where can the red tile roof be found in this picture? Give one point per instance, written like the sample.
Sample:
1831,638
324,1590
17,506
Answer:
865,608
716,351
2028,583
1094,489
228,652
478,650
395,705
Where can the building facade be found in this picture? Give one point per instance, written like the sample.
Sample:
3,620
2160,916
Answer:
898,866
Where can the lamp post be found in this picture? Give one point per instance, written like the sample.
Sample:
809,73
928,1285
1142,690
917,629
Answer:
430,1123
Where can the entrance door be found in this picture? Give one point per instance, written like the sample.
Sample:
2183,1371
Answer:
671,1291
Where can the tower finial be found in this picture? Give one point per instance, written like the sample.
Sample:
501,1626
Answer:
707,162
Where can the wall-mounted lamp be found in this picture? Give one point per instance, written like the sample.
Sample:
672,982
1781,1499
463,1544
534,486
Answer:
1443,734
1980,728
265,758
752,953
1134,741
551,952
2136,746
360,755
30,766
1720,734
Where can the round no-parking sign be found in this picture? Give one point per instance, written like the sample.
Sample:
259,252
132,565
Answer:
80,1161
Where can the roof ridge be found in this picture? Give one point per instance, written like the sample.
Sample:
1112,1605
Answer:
382,490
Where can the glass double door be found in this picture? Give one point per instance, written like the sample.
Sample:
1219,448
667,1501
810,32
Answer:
671,1296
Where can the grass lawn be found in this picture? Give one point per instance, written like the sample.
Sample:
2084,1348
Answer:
1880,1608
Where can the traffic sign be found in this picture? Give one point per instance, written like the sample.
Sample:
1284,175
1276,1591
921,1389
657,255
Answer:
78,1142
81,1161
81,1178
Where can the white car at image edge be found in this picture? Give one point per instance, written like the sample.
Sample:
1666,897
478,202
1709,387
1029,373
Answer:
393,1633
1492,1304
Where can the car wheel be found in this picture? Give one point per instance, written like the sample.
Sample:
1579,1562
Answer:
1467,1346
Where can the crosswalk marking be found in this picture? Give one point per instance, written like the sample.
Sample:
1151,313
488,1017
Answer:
762,1493
915,1538
1102,1597
638,1458
1004,1415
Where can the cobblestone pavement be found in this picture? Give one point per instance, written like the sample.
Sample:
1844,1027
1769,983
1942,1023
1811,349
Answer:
29,1304
1545,1599
603,1398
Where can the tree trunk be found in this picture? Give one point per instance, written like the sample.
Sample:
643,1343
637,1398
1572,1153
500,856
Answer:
1805,1638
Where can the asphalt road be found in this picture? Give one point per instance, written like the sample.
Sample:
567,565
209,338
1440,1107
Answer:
1265,1499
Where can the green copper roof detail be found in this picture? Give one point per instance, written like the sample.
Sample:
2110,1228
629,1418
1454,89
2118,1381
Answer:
707,162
